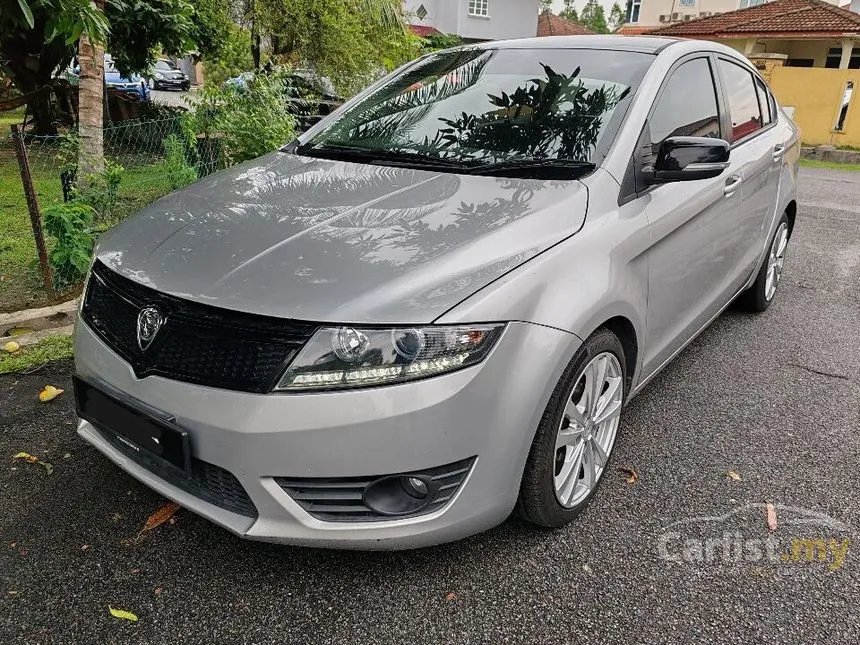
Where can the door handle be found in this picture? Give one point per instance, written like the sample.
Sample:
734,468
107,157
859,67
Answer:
778,152
732,184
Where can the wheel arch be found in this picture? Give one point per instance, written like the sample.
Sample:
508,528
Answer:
624,330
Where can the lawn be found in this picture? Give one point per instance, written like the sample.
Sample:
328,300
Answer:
26,358
813,163
20,281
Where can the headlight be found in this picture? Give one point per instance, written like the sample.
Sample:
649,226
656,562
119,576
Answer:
345,357
158,75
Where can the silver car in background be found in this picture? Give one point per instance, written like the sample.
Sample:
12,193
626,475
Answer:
429,310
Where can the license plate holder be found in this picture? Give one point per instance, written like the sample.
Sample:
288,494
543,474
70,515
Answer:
147,431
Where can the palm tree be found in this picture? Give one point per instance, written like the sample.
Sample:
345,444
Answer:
91,104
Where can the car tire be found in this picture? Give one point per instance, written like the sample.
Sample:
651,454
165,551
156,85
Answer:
762,292
543,485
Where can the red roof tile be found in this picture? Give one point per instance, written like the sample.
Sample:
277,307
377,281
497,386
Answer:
783,17
424,30
551,25
633,30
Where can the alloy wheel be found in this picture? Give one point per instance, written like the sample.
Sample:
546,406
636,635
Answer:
775,260
588,429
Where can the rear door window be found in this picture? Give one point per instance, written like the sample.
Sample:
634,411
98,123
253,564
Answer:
744,107
764,102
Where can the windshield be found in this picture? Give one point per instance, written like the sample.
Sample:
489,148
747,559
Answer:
164,66
478,106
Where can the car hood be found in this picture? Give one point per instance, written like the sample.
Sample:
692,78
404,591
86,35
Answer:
334,241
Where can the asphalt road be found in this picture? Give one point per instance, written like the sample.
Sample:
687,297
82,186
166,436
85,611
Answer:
774,397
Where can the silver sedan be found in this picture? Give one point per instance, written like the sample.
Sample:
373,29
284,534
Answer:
430,309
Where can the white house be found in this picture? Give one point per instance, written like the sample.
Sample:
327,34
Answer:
644,15
475,19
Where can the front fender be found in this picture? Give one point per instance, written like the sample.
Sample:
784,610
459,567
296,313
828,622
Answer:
580,283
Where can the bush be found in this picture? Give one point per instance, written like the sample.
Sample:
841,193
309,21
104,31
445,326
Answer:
249,121
179,172
100,190
71,226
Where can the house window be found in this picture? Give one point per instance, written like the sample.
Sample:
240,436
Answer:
633,10
750,3
480,8
834,57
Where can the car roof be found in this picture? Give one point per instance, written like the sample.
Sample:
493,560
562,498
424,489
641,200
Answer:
643,44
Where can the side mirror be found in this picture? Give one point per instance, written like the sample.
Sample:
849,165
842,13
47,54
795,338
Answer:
687,159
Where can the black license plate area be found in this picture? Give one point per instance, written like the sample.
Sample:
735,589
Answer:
137,429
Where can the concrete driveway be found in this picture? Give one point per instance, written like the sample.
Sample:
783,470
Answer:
774,398
171,97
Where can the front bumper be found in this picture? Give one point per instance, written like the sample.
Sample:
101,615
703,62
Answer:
489,411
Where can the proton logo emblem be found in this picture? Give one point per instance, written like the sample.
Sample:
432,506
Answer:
149,321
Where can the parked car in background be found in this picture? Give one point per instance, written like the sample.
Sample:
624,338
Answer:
131,86
310,96
166,76
430,309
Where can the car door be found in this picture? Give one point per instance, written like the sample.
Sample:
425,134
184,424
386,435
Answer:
693,224
757,153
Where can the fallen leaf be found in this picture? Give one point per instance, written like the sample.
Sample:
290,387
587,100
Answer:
771,517
11,347
157,591
160,516
19,331
84,547
734,476
587,569
49,393
451,596
32,459
630,474
12,592
67,455
135,571
116,517
122,613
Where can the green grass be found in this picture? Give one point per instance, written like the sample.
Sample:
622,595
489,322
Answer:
814,163
51,348
20,280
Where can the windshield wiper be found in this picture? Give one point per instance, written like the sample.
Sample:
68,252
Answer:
544,168
388,157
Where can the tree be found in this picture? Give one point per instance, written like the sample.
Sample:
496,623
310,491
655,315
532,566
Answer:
616,17
37,36
347,40
594,17
36,41
569,12
544,5
91,104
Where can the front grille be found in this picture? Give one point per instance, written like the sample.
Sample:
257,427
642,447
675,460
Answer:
342,499
197,343
208,482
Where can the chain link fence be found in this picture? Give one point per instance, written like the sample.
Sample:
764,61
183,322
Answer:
144,160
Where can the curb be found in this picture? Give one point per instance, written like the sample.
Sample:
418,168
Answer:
44,321
830,153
